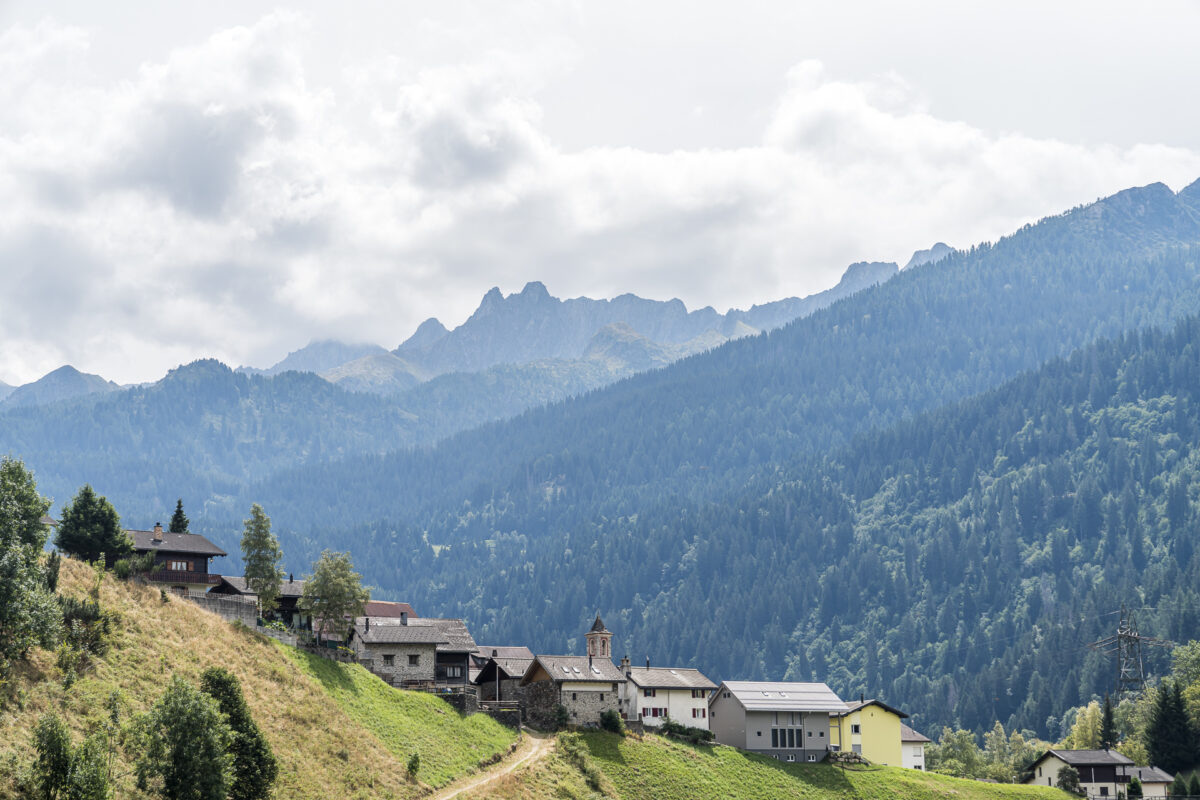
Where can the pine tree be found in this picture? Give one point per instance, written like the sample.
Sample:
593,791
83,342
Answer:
90,527
261,556
1169,735
1108,726
179,520
254,765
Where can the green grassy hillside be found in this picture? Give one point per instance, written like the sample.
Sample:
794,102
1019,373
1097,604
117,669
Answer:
337,731
654,768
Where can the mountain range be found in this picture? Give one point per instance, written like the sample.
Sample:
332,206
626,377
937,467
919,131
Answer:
929,485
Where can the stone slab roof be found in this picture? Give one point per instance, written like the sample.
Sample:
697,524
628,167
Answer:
1150,774
577,668
669,678
193,543
286,589
387,608
784,696
449,635
907,734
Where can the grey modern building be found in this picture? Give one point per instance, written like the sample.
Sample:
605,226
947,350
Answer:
789,721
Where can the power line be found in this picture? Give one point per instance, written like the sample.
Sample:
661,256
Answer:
1126,644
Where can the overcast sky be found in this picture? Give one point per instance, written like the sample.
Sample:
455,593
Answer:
236,179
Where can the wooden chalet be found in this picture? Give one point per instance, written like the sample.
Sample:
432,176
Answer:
290,591
498,671
180,559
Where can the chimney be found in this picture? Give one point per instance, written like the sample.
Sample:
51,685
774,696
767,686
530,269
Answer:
291,577
862,698
625,665
403,617
368,626
647,662
495,652
158,531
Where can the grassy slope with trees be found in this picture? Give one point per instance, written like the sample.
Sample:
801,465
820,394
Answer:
336,730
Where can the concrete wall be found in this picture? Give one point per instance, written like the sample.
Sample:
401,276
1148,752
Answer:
228,607
727,720
913,755
733,725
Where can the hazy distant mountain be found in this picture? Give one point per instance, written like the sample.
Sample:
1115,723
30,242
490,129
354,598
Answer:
857,277
380,373
63,383
930,256
318,357
533,325
5,390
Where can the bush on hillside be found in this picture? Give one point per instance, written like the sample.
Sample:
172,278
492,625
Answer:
685,733
611,721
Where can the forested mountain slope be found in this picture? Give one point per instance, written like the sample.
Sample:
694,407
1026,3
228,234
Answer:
930,336
955,565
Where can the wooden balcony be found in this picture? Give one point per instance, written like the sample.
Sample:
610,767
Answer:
182,576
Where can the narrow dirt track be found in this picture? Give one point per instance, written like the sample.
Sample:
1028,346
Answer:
532,747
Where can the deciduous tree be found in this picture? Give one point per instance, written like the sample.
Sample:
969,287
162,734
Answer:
183,746
333,593
29,614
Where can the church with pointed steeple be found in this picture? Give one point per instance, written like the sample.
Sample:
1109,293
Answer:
584,686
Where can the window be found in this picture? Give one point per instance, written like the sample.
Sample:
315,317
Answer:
414,660
791,737
812,757
699,693
645,712
454,672
654,712
1104,791
178,566
389,660
759,733
774,737
791,757
810,734
856,729
649,692
573,696
822,734
602,697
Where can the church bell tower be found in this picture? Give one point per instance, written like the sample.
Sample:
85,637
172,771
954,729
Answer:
599,640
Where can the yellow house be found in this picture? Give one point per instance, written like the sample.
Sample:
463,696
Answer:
870,728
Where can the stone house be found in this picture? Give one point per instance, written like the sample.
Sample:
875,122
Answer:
586,686
497,671
425,652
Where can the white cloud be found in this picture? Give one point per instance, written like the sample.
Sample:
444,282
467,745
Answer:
222,202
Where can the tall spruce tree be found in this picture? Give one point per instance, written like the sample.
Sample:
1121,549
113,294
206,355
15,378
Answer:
254,765
29,614
1108,726
179,520
90,527
334,593
1169,737
261,556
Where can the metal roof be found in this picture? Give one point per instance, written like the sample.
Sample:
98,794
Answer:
669,678
783,696
1090,758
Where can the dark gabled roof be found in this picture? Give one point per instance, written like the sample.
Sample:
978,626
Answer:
508,667
598,625
370,630
191,543
1150,774
907,734
286,589
575,668
487,651
668,678
449,635
852,707
1090,758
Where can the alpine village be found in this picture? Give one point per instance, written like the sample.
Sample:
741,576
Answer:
924,528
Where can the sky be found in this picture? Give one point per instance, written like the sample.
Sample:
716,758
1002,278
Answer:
236,179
